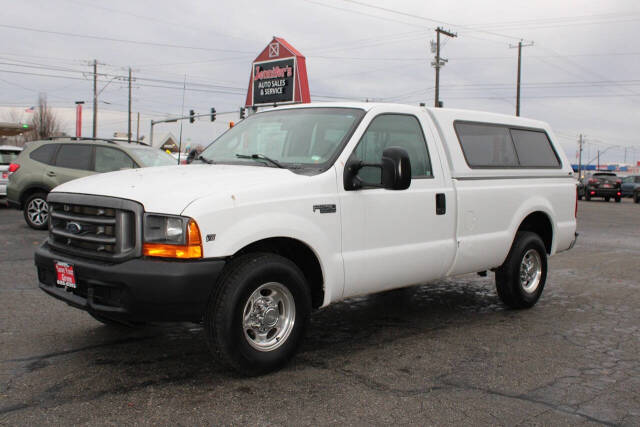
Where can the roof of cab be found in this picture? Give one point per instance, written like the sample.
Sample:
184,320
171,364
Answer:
441,114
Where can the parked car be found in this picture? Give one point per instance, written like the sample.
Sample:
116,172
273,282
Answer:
581,187
43,165
605,185
299,207
8,154
629,185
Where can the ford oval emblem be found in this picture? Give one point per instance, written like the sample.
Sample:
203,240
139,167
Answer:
73,227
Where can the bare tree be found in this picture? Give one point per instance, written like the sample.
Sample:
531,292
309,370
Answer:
44,123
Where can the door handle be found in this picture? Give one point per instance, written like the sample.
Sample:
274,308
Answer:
51,173
441,204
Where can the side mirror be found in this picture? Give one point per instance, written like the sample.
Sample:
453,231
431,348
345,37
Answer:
395,169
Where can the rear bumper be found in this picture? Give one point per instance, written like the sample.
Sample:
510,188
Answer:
603,192
136,290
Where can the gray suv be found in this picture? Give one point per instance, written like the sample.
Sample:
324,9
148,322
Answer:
44,165
8,155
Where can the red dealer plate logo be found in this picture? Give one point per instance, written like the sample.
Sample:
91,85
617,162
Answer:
65,274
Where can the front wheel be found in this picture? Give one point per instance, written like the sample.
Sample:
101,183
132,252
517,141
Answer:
258,315
36,211
521,278
636,197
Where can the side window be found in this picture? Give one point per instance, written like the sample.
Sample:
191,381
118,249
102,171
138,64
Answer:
44,154
486,145
74,156
534,149
110,159
393,130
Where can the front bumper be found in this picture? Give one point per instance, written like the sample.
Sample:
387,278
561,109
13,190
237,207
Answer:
137,290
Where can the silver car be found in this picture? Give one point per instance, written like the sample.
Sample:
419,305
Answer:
8,154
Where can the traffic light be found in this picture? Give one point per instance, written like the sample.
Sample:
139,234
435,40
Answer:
192,115
243,113
213,114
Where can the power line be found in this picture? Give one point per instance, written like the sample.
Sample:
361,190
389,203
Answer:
411,15
146,43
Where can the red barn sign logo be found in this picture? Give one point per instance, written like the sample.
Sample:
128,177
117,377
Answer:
278,76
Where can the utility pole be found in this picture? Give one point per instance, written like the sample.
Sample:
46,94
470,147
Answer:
138,127
439,62
598,168
519,46
129,112
95,98
580,143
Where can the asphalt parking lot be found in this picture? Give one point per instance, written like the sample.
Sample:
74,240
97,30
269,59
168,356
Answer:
443,353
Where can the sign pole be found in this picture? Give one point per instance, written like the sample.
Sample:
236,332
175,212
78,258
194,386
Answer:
79,118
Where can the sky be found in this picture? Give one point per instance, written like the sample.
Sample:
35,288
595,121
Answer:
581,73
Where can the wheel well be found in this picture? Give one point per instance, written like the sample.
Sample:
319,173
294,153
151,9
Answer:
300,254
28,192
539,223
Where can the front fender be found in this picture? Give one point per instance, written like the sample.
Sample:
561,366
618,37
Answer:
225,233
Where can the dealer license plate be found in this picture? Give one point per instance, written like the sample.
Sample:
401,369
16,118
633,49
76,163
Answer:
607,186
65,274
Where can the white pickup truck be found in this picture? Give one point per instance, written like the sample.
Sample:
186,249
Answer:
298,207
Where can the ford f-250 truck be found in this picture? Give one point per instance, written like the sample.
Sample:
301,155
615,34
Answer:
301,206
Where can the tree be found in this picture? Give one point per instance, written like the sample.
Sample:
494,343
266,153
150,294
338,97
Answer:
45,123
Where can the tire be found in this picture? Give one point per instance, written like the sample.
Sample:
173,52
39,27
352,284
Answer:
618,199
36,211
247,328
509,277
587,196
636,197
606,199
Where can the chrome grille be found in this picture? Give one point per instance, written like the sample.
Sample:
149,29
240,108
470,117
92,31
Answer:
94,226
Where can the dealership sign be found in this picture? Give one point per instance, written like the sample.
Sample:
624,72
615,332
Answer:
278,76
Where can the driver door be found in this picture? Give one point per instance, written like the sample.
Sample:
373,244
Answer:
395,238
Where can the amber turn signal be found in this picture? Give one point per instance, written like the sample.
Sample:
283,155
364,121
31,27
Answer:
193,248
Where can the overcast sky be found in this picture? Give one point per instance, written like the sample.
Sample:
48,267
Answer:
581,74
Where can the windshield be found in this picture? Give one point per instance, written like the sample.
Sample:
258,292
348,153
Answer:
150,157
293,138
8,156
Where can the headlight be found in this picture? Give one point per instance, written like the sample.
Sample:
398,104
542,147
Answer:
171,237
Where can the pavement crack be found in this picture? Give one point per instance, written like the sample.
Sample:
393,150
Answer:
80,349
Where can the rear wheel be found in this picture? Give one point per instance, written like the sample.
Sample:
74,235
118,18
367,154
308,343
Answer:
521,278
36,211
258,316
618,199
587,196
636,197
606,199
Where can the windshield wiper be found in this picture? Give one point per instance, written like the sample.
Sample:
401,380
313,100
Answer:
260,157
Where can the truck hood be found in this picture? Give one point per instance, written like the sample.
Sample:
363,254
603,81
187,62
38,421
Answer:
170,189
